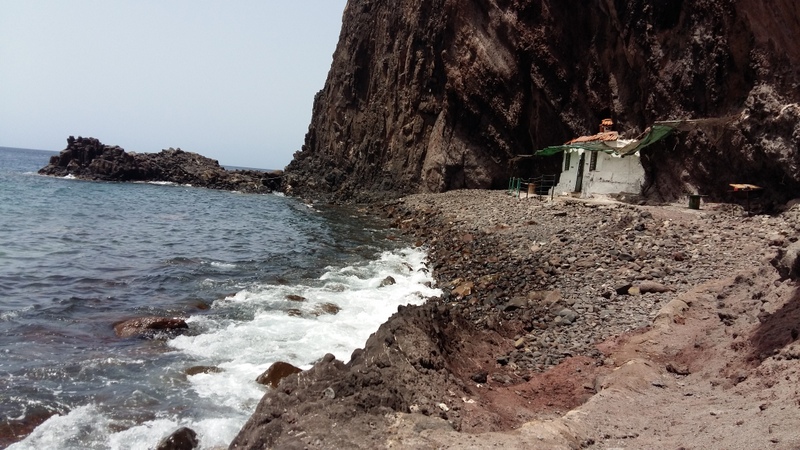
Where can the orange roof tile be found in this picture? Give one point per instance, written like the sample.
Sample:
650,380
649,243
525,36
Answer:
604,136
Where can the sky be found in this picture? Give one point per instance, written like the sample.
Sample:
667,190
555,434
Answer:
231,80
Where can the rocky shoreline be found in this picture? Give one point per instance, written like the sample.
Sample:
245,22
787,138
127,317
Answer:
87,158
590,306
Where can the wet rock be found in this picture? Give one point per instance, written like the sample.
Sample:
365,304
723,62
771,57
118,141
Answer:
194,370
329,308
150,326
388,281
276,372
182,439
295,298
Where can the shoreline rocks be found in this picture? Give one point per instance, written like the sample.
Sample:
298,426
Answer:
87,158
277,372
531,290
150,327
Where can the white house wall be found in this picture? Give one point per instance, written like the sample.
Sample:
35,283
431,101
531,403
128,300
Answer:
612,175
569,176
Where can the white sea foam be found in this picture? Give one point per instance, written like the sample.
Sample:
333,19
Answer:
13,314
84,427
222,265
243,350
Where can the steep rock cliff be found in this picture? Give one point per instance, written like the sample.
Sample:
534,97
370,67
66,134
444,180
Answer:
445,94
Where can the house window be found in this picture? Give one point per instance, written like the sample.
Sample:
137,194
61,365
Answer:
593,162
566,160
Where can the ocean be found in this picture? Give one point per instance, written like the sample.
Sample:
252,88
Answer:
76,257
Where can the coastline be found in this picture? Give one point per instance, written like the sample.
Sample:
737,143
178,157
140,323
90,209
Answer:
547,308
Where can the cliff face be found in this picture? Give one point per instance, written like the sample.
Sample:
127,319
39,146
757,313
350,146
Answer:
444,94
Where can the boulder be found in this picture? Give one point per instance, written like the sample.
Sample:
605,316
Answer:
194,370
327,308
788,262
652,286
276,373
150,326
182,439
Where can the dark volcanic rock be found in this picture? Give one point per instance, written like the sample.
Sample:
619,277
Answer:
276,372
182,439
447,94
87,158
150,326
403,367
194,370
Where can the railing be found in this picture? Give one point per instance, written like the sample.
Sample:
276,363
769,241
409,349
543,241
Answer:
541,185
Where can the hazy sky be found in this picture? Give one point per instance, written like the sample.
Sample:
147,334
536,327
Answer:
231,80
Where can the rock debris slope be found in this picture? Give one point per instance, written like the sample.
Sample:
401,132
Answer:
428,96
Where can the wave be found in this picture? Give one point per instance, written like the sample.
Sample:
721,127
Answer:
241,336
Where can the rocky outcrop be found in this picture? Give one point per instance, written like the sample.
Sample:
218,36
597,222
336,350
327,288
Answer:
89,159
150,326
182,439
447,94
276,372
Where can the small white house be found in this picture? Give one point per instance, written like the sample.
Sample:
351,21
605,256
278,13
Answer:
604,163
595,172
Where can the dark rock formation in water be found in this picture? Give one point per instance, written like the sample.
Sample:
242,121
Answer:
150,326
89,159
276,372
182,439
446,94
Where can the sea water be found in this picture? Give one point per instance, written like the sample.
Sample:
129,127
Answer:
78,256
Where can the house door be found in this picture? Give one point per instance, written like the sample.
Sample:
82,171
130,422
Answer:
579,181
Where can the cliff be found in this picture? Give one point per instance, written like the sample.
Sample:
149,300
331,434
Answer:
447,94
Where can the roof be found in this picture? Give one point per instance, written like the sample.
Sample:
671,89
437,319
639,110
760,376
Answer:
603,136
609,142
